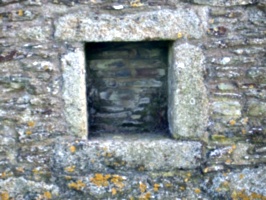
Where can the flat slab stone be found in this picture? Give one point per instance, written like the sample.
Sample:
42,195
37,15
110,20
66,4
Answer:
124,152
147,25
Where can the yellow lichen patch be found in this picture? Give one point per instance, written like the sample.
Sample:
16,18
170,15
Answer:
107,154
179,35
243,131
225,184
142,187
136,3
72,149
100,180
20,169
70,169
219,138
211,21
46,67
68,177
241,176
230,151
197,190
47,195
104,148
241,195
76,185
232,122
20,13
228,161
146,196
256,196
168,185
182,188
244,121
113,191
4,195
156,187
117,181
206,170
188,174
3,175
31,123
38,170
141,168
28,132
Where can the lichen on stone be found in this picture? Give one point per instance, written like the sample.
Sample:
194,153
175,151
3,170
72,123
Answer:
78,185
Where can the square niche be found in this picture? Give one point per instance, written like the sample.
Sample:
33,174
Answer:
127,86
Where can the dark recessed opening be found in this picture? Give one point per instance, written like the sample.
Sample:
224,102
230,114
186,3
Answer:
127,87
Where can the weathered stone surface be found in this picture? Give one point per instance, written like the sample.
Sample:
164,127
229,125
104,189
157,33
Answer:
256,108
226,86
135,152
227,108
187,95
224,3
21,188
152,25
74,92
41,115
247,183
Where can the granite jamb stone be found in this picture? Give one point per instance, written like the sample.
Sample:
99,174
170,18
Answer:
74,92
188,104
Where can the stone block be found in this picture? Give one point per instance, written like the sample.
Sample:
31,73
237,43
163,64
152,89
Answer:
21,188
187,95
152,25
128,152
227,108
256,108
248,183
224,3
74,92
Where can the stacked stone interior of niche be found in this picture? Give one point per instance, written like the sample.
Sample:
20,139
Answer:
43,151
127,86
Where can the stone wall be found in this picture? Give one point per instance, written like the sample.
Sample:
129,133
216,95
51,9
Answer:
216,101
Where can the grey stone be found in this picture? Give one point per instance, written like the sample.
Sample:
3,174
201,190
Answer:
238,183
256,108
129,152
241,156
74,92
226,86
257,74
188,103
165,24
224,3
227,108
34,33
18,188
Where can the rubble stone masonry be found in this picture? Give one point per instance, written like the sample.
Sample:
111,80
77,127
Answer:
144,99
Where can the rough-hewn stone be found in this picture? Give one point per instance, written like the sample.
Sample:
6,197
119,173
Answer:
132,153
43,101
74,91
187,95
152,25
